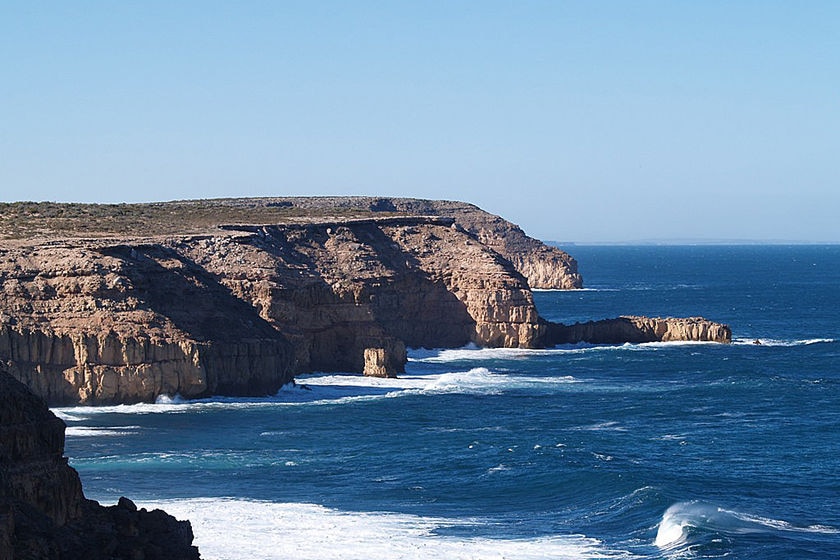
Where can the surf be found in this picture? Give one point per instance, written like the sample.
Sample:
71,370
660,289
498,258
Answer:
268,530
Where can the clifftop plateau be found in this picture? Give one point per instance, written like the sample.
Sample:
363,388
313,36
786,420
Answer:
543,266
122,303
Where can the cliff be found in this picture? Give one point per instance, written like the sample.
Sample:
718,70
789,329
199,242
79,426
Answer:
237,296
241,309
43,512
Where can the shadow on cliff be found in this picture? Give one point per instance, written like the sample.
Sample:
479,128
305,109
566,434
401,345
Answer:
399,301
415,307
196,303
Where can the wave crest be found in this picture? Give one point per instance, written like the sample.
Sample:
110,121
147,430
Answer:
685,523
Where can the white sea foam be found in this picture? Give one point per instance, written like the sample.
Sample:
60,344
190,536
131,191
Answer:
333,390
229,529
473,353
776,342
88,431
473,381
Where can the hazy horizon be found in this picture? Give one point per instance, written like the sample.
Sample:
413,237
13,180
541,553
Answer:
597,123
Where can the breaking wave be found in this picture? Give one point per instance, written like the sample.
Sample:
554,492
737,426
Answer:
686,524
327,390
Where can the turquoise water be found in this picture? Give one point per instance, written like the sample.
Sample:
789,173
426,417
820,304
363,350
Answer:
636,451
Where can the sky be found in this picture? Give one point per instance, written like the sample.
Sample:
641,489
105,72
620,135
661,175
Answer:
607,121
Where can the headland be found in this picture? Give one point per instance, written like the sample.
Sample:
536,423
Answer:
106,304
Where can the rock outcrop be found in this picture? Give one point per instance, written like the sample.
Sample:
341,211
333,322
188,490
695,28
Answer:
639,329
43,512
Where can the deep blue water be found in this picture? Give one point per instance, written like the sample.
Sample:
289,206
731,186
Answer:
634,451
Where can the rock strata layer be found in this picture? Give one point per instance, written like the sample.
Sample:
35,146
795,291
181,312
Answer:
43,512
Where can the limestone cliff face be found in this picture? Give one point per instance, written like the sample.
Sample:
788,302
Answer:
543,266
639,329
43,512
240,311
94,323
335,289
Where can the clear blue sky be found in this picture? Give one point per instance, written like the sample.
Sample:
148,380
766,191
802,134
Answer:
580,121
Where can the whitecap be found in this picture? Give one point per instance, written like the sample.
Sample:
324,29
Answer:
609,426
498,468
683,519
231,529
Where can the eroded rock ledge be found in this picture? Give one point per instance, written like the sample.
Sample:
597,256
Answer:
638,330
43,512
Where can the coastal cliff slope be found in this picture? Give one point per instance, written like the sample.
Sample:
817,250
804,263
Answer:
103,304
43,512
543,266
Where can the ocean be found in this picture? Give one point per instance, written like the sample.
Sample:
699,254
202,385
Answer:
663,450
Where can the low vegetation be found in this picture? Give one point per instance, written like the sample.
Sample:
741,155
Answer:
27,220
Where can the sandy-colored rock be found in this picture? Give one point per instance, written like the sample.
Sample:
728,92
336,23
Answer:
544,267
382,362
241,311
97,323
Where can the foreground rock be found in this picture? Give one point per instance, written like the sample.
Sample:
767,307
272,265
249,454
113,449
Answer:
638,330
43,512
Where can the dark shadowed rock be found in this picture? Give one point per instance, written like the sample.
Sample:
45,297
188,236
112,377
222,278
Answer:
43,512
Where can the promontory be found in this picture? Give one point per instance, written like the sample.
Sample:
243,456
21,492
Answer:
103,304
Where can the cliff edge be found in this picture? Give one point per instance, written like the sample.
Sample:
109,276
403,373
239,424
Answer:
43,512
